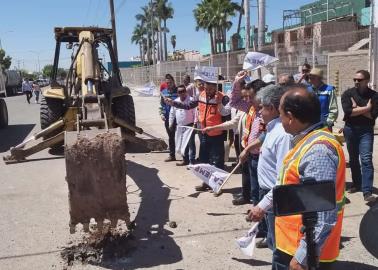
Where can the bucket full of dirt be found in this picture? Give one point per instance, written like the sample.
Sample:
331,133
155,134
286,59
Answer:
96,177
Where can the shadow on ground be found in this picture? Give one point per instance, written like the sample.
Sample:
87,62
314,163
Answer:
13,135
343,265
252,262
152,243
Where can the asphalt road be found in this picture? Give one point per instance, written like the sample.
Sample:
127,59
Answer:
34,210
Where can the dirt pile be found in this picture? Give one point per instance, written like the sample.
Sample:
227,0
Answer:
99,248
96,177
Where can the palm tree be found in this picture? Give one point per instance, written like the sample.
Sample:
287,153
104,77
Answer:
213,16
202,14
144,20
173,42
165,11
138,38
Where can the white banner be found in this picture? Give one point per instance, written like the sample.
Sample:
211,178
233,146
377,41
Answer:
149,89
210,175
247,243
207,74
182,138
256,60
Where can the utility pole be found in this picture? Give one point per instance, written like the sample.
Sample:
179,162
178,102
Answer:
374,44
247,25
261,25
112,19
152,31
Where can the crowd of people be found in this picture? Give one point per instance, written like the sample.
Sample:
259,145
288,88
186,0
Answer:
283,134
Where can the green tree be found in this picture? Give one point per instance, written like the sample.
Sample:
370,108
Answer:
61,73
144,21
47,70
5,61
165,11
139,39
214,17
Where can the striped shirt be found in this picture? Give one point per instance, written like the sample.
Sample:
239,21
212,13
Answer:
237,102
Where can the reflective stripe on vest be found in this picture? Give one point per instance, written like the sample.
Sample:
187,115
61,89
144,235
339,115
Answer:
288,229
208,113
248,125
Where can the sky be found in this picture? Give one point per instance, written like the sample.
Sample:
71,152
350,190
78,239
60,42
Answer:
26,26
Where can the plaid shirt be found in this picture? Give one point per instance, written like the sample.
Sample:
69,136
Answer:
321,162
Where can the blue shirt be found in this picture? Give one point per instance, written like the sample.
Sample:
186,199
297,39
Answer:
164,109
26,87
275,147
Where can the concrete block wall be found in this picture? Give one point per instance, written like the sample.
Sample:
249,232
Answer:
347,63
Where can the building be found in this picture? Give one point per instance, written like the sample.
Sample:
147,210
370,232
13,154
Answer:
317,29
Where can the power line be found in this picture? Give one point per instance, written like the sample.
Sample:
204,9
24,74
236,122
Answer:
120,6
87,13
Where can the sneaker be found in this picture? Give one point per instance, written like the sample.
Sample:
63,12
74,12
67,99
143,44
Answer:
202,187
262,243
182,163
240,201
368,197
170,159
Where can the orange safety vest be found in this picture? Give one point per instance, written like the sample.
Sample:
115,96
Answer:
288,228
208,113
248,125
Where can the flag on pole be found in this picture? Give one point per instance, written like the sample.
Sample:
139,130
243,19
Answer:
210,175
247,243
256,60
182,138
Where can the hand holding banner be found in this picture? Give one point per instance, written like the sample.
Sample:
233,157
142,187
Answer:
247,242
182,138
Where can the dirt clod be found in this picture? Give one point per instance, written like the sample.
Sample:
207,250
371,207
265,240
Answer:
173,224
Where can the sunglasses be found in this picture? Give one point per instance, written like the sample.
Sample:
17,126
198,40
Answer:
305,70
181,92
358,80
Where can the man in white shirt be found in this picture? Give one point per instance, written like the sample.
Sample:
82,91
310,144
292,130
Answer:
276,145
184,118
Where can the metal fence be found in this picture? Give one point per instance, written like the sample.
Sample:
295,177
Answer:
327,46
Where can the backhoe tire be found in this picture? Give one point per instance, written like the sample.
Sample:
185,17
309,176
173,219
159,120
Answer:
3,114
51,111
123,107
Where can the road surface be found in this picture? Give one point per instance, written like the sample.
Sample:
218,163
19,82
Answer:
34,210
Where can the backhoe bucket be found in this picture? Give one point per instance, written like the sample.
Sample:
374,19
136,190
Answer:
96,177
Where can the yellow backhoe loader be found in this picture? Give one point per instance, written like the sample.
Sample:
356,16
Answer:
92,114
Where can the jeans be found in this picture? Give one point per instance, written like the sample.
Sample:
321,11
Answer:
237,145
246,182
29,95
281,261
267,224
171,138
190,150
212,150
360,141
36,93
255,188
